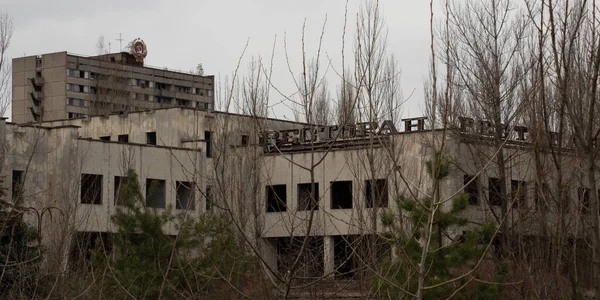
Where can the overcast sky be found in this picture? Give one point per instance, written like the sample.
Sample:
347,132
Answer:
181,34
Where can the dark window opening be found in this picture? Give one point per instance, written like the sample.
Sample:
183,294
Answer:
208,139
17,184
117,188
376,193
105,138
309,262
471,189
208,198
185,195
91,189
244,140
519,193
155,193
123,138
341,194
151,138
307,199
84,247
583,194
344,257
276,198
494,191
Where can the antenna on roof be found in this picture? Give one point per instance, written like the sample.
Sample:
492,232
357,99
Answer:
120,39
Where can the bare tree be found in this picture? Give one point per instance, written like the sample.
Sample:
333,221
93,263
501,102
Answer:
6,31
101,46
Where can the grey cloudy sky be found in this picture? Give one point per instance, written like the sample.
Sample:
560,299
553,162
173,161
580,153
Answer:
181,34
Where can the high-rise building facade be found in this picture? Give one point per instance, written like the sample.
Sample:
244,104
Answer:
62,85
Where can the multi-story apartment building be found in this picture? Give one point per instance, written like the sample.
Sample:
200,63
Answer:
62,85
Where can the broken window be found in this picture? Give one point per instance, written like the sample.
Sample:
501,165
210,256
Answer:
583,194
17,184
208,197
309,263
341,194
123,138
185,195
155,193
208,139
518,193
307,198
151,138
376,193
471,188
344,257
105,138
117,189
276,198
91,189
244,140
494,191
84,245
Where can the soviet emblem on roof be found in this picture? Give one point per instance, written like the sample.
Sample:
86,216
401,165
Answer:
138,49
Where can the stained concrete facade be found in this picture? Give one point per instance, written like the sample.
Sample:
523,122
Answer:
62,85
224,152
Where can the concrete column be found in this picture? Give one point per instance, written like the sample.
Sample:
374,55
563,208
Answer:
268,250
329,265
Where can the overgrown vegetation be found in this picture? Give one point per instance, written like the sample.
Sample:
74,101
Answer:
20,253
148,263
447,258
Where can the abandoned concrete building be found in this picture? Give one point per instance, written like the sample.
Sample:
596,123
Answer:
260,169
78,123
63,85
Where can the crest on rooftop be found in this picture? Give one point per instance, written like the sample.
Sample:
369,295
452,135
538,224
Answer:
138,49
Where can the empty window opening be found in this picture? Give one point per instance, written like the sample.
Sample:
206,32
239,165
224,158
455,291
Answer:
310,261
471,189
208,198
151,138
84,245
72,115
155,193
91,189
185,195
583,194
17,184
105,138
244,140
341,194
376,193
208,139
276,198
117,188
344,256
308,199
123,138
518,193
494,191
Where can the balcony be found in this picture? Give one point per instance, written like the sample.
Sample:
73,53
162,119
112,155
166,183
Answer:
35,113
36,98
36,83
164,93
